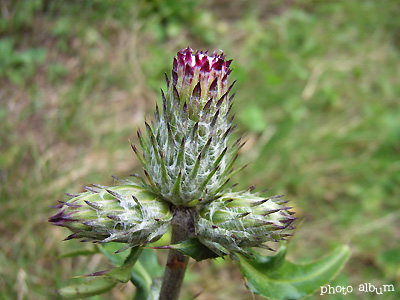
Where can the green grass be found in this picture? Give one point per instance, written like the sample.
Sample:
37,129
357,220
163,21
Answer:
317,95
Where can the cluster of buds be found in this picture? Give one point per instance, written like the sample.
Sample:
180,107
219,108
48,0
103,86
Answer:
188,160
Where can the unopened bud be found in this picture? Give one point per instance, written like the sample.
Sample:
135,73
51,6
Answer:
125,214
238,221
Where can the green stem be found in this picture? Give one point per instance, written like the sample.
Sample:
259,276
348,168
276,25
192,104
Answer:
182,229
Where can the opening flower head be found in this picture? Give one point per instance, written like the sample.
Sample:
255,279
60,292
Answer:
186,154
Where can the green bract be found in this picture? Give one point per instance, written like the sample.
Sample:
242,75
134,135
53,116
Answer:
127,214
238,221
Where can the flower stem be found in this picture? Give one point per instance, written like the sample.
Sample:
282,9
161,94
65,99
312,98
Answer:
182,229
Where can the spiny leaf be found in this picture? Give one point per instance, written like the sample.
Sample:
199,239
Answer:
109,251
193,248
79,252
145,271
92,288
278,279
123,273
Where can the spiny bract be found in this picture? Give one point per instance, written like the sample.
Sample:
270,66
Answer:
186,155
238,221
127,214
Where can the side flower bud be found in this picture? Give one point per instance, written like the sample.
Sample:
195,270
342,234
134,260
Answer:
125,214
186,154
239,221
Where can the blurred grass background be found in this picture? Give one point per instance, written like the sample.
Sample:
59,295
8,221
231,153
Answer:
317,95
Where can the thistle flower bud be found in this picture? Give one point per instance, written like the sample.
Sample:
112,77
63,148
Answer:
202,74
125,214
238,221
186,154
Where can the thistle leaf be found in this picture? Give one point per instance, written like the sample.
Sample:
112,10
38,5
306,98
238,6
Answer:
278,279
92,288
79,252
193,248
123,273
145,272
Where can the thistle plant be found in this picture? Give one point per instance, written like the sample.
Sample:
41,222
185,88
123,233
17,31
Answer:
188,156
